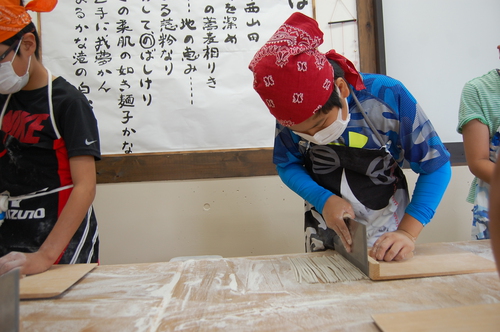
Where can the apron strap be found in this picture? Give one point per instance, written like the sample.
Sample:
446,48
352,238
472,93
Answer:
5,197
367,119
51,107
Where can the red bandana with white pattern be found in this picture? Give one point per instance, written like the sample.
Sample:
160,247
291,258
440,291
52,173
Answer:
291,76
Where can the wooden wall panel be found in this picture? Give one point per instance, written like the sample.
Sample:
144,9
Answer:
203,165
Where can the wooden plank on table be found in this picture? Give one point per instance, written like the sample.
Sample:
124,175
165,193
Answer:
52,282
433,259
483,317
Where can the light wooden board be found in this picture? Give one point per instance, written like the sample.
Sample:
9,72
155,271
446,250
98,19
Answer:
483,317
432,259
52,282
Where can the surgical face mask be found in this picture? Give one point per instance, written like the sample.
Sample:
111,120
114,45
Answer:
330,133
9,81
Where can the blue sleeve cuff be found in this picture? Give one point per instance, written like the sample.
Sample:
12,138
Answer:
295,176
429,191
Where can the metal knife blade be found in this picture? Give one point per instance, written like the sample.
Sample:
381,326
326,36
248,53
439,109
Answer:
9,304
359,247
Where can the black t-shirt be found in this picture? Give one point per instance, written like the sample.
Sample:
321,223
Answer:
31,155
34,158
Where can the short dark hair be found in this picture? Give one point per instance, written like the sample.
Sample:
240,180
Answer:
334,99
29,28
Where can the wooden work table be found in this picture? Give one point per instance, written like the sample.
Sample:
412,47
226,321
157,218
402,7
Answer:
245,294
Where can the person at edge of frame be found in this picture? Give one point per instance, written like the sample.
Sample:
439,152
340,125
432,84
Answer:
49,142
479,124
494,212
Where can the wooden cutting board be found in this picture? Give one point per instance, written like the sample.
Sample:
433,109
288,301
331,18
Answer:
431,259
52,282
483,317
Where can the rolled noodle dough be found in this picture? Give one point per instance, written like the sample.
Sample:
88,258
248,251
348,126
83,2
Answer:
325,269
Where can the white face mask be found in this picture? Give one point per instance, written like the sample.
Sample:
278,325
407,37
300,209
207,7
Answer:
330,133
9,81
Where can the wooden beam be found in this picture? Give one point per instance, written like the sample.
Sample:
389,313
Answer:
185,165
367,36
203,165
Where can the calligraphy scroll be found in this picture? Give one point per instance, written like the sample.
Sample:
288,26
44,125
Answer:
167,75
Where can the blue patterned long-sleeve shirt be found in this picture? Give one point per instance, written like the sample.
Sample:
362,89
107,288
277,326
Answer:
404,129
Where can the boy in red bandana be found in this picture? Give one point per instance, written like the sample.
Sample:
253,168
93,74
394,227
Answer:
49,142
341,140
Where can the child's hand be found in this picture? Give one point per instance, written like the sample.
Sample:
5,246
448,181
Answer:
398,245
333,212
29,263
11,261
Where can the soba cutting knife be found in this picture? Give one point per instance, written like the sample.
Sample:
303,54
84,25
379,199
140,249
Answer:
359,247
9,301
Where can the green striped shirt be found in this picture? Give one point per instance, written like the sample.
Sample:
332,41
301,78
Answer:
480,100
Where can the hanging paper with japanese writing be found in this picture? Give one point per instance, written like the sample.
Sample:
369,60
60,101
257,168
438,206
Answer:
167,75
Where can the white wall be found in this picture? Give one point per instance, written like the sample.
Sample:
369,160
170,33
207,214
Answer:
434,47
155,221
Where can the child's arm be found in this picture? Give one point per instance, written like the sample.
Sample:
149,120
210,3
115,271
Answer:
429,191
83,174
476,138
